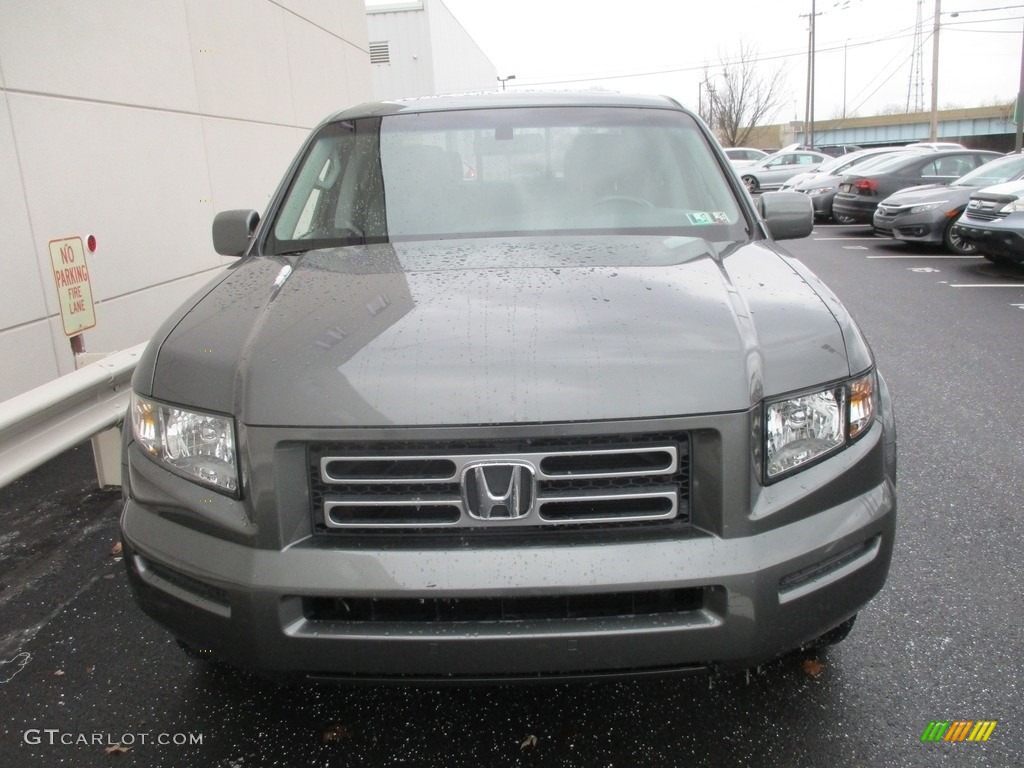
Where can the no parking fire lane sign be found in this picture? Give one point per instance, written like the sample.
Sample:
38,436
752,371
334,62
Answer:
71,274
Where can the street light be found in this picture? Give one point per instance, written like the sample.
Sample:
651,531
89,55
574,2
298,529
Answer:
504,80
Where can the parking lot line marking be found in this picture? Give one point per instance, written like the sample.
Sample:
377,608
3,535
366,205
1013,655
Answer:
924,256
844,238
1018,286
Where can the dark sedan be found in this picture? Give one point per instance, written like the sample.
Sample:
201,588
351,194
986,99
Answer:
821,186
928,214
860,193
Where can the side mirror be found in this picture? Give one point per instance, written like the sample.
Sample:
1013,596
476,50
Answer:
232,231
788,215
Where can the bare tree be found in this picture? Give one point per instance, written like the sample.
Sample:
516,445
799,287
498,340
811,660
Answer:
739,98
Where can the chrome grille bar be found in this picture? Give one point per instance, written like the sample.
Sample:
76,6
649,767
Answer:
661,460
577,486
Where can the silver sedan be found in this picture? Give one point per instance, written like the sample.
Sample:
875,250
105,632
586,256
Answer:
773,171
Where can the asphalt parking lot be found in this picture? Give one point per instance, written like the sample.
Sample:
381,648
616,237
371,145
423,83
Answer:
87,680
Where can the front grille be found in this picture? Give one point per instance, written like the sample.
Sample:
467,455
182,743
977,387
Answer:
985,210
502,609
521,484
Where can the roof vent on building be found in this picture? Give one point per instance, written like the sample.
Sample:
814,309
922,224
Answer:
380,53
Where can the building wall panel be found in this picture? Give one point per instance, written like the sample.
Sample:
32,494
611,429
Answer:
137,122
29,357
123,51
137,179
27,303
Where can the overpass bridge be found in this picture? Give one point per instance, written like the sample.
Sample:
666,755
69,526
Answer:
977,127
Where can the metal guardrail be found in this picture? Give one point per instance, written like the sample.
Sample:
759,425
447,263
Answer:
48,420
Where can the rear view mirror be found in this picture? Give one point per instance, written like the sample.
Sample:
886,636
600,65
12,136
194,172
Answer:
788,214
232,231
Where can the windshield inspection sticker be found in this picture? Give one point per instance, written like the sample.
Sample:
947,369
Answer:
701,217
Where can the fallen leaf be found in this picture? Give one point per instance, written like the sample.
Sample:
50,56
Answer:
337,732
116,749
813,668
529,742
115,550
108,576
90,670
59,673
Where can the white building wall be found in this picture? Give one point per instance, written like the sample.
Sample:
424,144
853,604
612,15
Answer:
430,52
410,70
459,64
136,122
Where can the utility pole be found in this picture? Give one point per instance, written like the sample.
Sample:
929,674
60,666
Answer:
1019,111
809,111
933,132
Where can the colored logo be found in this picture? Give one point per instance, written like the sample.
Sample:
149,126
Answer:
959,730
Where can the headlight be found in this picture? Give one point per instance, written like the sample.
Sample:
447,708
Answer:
927,206
200,446
1016,206
800,430
818,191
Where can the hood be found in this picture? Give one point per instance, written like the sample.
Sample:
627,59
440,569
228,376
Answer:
1009,189
819,181
800,178
927,193
501,331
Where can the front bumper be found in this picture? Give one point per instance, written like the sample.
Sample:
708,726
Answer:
1001,237
822,203
859,209
749,598
927,227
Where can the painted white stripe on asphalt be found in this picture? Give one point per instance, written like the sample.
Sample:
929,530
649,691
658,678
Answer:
921,256
986,285
844,238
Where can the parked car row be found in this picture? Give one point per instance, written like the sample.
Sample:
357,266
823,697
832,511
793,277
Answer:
929,213
969,201
860,192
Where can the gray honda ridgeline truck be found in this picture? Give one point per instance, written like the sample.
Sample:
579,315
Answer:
506,387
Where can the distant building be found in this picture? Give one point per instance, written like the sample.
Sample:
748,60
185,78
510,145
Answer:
420,49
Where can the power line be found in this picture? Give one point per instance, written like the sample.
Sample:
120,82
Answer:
699,67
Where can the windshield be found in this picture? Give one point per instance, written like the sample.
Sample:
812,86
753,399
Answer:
506,172
996,172
841,163
884,163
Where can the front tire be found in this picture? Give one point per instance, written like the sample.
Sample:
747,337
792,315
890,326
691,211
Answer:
956,244
751,184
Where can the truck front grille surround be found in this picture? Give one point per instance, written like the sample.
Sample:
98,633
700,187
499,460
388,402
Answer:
521,484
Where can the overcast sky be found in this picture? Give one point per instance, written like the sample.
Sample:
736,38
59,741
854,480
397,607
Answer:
666,43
